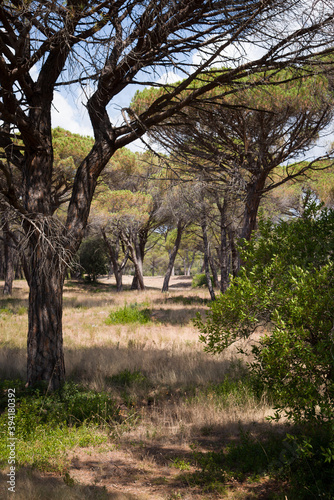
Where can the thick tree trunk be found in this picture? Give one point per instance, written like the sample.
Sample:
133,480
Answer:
253,198
172,256
137,251
136,257
9,272
45,338
138,278
206,258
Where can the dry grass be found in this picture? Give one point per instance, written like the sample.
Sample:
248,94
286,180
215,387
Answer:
172,403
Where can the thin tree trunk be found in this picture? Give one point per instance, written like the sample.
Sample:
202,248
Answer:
172,256
234,254
214,270
190,265
8,260
117,268
206,258
223,251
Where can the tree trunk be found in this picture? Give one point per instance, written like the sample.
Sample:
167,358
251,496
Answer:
223,251
134,284
137,250
138,263
136,257
190,264
234,254
8,260
45,338
214,270
172,256
253,198
114,255
206,258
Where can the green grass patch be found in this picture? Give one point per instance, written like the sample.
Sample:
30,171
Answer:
10,306
48,425
180,463
127,378
127,314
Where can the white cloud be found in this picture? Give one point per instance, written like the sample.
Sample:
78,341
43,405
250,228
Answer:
169,78
69,117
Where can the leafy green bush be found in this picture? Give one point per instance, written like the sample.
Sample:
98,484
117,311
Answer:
93,257
308,464
132,313
287,285
200,280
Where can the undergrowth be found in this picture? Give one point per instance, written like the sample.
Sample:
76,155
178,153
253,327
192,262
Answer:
132,313
48,425
300,462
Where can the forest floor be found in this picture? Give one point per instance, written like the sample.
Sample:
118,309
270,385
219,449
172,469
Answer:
179,417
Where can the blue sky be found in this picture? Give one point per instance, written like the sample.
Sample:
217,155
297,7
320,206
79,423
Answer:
70,113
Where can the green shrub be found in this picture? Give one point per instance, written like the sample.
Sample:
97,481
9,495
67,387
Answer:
200,280
288,283
93,257
132,313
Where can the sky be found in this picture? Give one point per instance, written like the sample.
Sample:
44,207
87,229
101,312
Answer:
70,113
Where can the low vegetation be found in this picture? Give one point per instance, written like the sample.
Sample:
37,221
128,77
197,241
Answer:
146,414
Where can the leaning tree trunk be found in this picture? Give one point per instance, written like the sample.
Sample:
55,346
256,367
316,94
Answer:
172,257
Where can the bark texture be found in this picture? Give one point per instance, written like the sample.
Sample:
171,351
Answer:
172,257
45,339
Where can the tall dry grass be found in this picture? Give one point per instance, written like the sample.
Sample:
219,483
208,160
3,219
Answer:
171,399
167,351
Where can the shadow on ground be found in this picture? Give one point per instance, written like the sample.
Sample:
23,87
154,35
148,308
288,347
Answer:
179,317
32,485
96,364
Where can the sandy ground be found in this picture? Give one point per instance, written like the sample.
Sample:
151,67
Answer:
175,283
